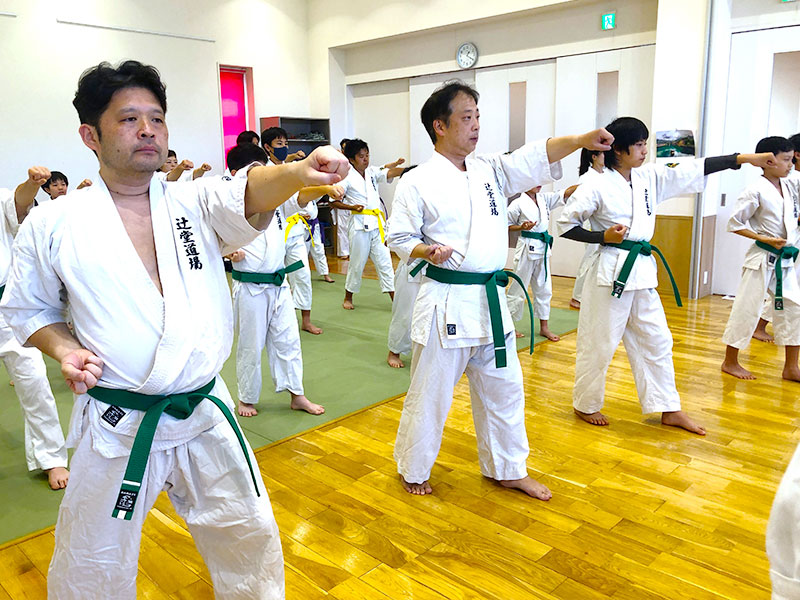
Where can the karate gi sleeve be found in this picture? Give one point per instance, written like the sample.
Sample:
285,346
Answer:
524,168
405,224
9,208
222,202
746,205
579,207
35,296
514,213
687,177
553,199
381,175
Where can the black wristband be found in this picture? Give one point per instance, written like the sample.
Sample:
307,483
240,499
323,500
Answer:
714,164
579,234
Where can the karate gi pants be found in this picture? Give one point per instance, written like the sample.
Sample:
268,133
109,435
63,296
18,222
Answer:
583,269
405,293
638,320
209,484
317,252
300,280
44,439
342,235
363,245
749,306
532,271
267,319
783,535
498,408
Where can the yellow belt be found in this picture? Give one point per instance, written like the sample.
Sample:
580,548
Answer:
377,212
294,220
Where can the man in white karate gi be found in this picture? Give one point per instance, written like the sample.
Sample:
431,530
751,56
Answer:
620,301
407,279
45,448
263,309
366,227
139,263
451,212
275,142
767,212
530,215
591,165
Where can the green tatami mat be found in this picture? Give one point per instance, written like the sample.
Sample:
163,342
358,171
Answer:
344,369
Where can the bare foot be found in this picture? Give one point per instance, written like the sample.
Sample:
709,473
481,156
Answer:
736,370
57,477
791,373
763,336
574,304
595,418
519,334
328,279
311,328
394,361
545,332
11,383
348,305
418,489
247,410
303,403
530,486
344,257
681,419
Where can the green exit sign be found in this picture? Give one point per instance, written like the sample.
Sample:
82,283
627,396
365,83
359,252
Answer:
609,21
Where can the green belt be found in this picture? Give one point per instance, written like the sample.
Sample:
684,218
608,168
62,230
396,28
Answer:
491,281
413,272
781,253
2,290
635,249
545,237
179,406
275,278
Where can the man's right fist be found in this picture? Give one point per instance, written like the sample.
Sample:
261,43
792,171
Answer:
38,175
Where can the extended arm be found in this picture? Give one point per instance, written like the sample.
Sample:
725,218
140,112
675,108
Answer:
26,191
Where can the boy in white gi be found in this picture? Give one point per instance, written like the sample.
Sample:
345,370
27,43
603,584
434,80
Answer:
315,243
58,184
620,301
530,215
591,165
366,228
44,441
263,309
451,212
172,170
767,212
139,262
275,142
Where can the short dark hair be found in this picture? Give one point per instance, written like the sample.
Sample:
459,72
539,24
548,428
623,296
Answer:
586,160
437,107
271,134
795,139
55,176
98,84
342,142
171,153
627,131
353,147
242,155
247,137
775,144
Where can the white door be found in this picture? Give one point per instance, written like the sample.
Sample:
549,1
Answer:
762,83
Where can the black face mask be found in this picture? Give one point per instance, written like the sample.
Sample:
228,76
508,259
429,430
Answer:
281,153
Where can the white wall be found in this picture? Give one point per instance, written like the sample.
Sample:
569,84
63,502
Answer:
785,99
43,53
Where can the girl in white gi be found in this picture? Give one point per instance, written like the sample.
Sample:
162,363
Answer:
263,309
45,448
767,212
451,212
619,302
367,231
315,245
276,144
139,262
172,170
592,164
530,215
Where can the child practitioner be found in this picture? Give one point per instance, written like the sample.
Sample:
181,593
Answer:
767,212
620,301
530,215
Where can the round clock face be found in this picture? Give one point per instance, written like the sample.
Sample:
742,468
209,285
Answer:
467,55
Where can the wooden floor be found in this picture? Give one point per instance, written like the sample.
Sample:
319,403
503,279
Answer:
639,511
